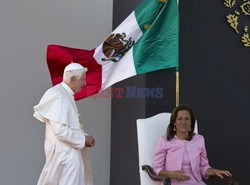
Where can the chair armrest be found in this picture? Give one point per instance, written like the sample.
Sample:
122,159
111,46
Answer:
149,170
227,180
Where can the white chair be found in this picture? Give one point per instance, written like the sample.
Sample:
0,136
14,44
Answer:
148,132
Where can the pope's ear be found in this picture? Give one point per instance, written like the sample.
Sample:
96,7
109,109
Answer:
72,79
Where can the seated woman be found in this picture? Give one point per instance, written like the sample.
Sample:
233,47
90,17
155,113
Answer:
181,154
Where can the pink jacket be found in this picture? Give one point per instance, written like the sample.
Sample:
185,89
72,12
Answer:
168,155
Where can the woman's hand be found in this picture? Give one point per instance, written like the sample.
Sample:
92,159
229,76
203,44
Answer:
219,173
178,175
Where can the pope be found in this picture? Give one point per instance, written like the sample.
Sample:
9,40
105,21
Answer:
66,143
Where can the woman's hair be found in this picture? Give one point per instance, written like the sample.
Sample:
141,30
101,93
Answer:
170,130
77,73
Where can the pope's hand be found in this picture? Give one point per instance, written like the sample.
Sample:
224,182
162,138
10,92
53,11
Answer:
89,141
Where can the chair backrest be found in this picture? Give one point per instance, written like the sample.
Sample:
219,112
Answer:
149,131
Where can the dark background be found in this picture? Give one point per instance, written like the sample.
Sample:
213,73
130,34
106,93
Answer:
214,80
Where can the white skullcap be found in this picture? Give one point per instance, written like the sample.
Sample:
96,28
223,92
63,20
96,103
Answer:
74,66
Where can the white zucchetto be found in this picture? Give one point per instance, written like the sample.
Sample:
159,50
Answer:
74,66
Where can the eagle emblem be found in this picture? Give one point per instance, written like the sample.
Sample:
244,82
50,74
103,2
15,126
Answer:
234,19
116,46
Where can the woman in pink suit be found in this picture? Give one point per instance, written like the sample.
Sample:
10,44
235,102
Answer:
180,154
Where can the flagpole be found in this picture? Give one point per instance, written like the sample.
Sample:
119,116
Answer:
177,83
177,90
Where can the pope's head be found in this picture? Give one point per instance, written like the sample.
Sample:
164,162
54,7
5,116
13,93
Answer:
75,76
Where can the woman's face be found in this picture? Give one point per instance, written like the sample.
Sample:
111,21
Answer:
183,122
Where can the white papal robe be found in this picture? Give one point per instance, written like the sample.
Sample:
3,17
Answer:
67,162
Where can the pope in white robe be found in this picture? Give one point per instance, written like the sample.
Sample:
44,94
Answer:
67,162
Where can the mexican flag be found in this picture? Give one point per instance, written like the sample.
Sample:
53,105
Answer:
147,40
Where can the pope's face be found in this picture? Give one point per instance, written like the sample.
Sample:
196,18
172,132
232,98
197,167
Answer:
183,121
79,83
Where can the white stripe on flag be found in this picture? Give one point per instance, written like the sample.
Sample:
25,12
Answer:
113,72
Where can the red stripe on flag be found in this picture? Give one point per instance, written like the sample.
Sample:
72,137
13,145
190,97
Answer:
58,57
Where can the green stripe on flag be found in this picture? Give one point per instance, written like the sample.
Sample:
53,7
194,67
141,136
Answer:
146,12
158,47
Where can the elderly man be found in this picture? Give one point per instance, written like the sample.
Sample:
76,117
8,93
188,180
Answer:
67,162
